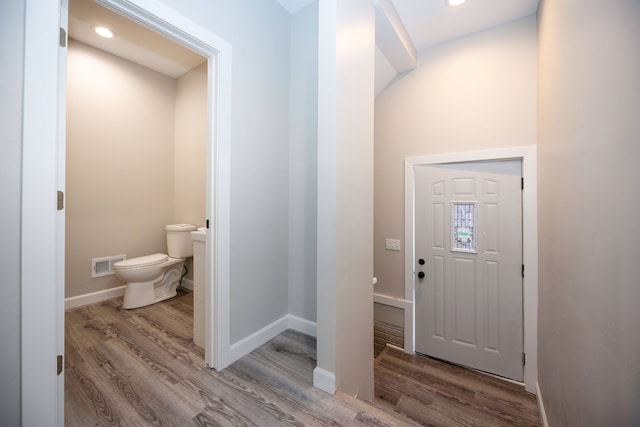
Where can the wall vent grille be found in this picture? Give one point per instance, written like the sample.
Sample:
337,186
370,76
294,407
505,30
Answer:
104,266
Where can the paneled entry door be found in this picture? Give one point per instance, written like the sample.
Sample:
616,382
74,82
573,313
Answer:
468,267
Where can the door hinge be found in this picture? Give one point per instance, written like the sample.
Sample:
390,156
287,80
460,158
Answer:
63,37
60,200
522,270
522,183
207,225
524,359
59,364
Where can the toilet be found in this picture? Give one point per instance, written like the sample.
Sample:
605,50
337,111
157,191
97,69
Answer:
154,278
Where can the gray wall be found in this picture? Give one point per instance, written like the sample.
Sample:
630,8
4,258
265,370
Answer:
588,140
302,157
11,79
258,32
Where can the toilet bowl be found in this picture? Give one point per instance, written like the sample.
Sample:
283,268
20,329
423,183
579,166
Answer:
154,278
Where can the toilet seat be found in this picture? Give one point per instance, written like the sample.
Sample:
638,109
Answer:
143,261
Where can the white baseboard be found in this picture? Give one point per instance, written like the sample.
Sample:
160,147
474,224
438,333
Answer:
99,296
543,414
255,340
94,297
324,380
302,325
393,302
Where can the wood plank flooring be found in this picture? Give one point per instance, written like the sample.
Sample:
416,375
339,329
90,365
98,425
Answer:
140,368
436,393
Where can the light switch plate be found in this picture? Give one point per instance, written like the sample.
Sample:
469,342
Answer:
392,244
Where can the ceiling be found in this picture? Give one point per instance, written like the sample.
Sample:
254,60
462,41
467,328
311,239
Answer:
430,22
427,22
133,41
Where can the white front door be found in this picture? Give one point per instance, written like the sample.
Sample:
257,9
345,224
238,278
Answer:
468,266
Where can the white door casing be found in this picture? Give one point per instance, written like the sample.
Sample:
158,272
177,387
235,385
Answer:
174,26
164,20
468,284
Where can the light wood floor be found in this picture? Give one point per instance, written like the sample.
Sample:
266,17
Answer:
140,368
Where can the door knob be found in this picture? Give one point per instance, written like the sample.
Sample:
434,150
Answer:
421,275
421,261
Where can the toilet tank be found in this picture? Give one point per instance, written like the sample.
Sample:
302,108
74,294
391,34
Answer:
179,244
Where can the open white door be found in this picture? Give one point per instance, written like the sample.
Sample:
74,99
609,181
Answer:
61,201
41,304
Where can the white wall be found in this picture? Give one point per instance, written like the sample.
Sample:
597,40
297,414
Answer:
11,80
303,147
589,99
470,94
258,32
120,163
345,195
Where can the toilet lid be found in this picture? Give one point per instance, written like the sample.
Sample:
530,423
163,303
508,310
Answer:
142,261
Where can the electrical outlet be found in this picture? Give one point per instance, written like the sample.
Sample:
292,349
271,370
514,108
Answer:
392,244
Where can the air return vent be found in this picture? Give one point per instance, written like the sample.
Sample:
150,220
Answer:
104,266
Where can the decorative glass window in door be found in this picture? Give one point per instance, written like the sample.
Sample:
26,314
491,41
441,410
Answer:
463,226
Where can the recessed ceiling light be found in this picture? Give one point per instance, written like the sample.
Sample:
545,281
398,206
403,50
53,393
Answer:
103,32
454,2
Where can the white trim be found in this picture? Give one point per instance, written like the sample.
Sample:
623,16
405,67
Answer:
528,155
324,380
61,214
93,297
302,325
407,306
393,302
106,294
218,240
543,413
41,305
255,340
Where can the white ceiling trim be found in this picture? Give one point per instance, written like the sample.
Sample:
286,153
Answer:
392,37
384,72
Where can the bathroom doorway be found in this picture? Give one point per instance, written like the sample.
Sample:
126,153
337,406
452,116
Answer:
136,144
217,54
145,42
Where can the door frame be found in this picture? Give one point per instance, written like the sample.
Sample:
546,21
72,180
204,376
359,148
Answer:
43,166
174,26
528,156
